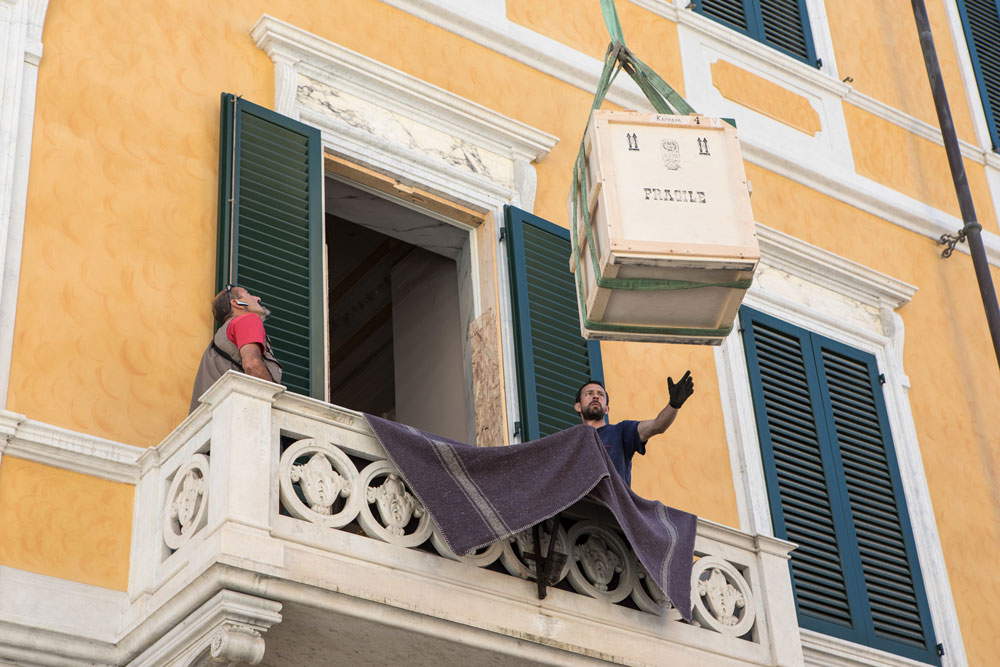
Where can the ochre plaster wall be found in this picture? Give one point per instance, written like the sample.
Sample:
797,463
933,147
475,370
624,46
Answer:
688,466
952,373
918,167
877,44
64,524
121,215
119,254
580,25
765,97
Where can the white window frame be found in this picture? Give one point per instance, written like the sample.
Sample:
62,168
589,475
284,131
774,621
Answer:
827,294
400,98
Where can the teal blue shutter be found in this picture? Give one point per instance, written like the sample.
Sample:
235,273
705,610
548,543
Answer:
981,19
270,231
834,488
553,359
782,24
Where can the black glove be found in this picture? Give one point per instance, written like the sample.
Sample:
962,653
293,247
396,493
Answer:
681,391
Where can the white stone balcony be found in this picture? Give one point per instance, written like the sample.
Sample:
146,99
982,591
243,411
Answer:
231,565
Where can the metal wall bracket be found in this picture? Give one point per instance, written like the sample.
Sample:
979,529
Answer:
951,240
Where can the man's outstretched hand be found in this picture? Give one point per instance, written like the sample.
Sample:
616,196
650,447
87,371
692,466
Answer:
681,391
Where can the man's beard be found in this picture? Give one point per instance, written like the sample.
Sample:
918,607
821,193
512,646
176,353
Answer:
266,314
593,411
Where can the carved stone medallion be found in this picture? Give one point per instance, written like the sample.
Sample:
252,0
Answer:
317,481
187,502
723,600
395,507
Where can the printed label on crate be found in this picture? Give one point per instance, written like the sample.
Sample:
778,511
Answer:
677,183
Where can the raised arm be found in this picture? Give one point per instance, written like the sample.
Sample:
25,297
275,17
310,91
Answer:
678,393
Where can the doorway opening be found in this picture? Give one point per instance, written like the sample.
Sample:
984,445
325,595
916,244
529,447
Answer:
400,303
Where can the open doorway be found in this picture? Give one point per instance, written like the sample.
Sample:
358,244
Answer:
399,295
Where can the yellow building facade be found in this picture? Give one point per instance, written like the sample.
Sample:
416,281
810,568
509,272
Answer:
111,188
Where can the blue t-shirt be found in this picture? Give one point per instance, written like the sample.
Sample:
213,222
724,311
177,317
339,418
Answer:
622,441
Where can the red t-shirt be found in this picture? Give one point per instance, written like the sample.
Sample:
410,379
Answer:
246,328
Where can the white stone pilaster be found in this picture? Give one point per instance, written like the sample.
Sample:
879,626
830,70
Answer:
243,449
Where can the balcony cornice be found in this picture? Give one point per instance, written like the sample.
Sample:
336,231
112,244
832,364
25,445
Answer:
62,448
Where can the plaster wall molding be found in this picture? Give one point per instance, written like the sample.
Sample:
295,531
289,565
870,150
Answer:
391,117
825,78
821,650
57,605
977,154
226,629
20,53
822,267
62,448
417,133
813,288
831,173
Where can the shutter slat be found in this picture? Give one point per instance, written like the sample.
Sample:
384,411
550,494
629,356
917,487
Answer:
727,11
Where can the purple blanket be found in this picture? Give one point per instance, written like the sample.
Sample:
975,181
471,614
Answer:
478,495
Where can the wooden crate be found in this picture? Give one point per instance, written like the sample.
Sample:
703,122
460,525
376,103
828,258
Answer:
668,201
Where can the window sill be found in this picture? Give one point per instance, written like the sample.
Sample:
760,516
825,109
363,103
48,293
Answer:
820,649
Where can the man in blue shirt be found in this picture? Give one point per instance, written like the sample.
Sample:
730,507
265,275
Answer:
626,438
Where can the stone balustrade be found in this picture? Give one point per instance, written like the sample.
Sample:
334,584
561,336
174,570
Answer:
270,496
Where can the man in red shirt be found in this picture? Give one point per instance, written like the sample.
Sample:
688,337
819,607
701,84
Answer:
240,344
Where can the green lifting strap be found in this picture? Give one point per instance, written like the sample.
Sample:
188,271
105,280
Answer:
665,100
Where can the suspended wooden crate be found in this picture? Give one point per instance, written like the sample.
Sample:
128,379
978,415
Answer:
663,236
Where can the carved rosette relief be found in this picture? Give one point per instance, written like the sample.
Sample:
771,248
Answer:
317,483
513,557
393,129
320,483
389,510
722,597
600,565
187,502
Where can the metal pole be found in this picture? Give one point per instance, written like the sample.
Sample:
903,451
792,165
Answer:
971,229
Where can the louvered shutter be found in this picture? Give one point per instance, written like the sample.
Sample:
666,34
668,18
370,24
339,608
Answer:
981,19
834,488
782,24
553,358
731,12
798,469
859,435
785,25
270,233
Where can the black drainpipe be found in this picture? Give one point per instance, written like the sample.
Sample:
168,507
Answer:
971,229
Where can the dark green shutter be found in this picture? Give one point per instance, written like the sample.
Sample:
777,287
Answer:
981,19
782,24
553,358
270,231
730,12
834,488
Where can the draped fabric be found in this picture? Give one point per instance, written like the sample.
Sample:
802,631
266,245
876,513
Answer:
478,495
